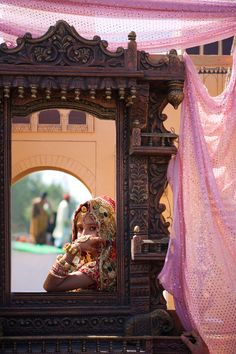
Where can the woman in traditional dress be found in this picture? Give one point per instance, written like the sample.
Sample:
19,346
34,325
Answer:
89,261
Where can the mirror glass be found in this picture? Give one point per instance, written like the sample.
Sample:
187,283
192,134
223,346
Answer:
34,243
57,152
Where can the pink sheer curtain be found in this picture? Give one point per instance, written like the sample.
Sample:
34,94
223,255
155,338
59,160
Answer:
160,25
200,268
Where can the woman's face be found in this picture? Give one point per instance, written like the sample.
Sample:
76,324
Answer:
86,226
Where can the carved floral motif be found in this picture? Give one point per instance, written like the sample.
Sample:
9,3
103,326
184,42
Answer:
82,55
138,176
42,54
62,45
147,63
139,111
139,217
61,325
158,227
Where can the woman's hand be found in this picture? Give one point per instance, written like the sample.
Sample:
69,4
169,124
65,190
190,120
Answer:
194,342
71,249
91,245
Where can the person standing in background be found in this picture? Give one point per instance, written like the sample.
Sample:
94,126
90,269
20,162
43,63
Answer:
41,211
61,233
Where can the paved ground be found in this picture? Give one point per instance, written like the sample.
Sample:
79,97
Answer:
29,270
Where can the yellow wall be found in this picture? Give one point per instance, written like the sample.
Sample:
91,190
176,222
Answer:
89,156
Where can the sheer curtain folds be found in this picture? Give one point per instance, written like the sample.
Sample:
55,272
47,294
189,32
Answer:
160,25
200,268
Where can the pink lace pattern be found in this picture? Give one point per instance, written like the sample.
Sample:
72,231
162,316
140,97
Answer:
201,261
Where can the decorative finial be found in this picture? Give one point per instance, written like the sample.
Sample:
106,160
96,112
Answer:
132,36
175,93
173,52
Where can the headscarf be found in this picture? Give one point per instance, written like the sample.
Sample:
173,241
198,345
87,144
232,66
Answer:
101,268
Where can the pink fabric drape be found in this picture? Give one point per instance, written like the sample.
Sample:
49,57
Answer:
160,25
200,268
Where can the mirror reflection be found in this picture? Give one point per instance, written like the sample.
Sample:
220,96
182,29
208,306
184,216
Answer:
89,261
42,207
60,159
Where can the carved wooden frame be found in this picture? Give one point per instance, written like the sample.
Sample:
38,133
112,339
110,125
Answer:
63,70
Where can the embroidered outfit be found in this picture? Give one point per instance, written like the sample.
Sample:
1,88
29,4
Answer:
102,267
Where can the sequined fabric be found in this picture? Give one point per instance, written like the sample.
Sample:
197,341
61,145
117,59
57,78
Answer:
101,268
200,268
160,25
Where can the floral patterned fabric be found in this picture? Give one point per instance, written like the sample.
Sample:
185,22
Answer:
102,267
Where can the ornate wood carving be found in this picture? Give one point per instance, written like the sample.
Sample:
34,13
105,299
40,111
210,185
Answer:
165,346
131,55
63,299
156,300
139,288
155,116
157,322
158,227
2,204
97,108
63,46
138,194
175,92
61,325
122,140
92,344
139,111
162,63
5,161
68,87
139,217
138,179
146,63
63,70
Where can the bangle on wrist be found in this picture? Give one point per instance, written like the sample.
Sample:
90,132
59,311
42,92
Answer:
69,256
60,268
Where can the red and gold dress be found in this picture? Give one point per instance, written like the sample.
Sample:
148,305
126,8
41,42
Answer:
102,267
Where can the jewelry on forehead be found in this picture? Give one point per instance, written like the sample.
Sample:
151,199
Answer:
84,209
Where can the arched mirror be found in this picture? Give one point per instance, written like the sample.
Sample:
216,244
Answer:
52,141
